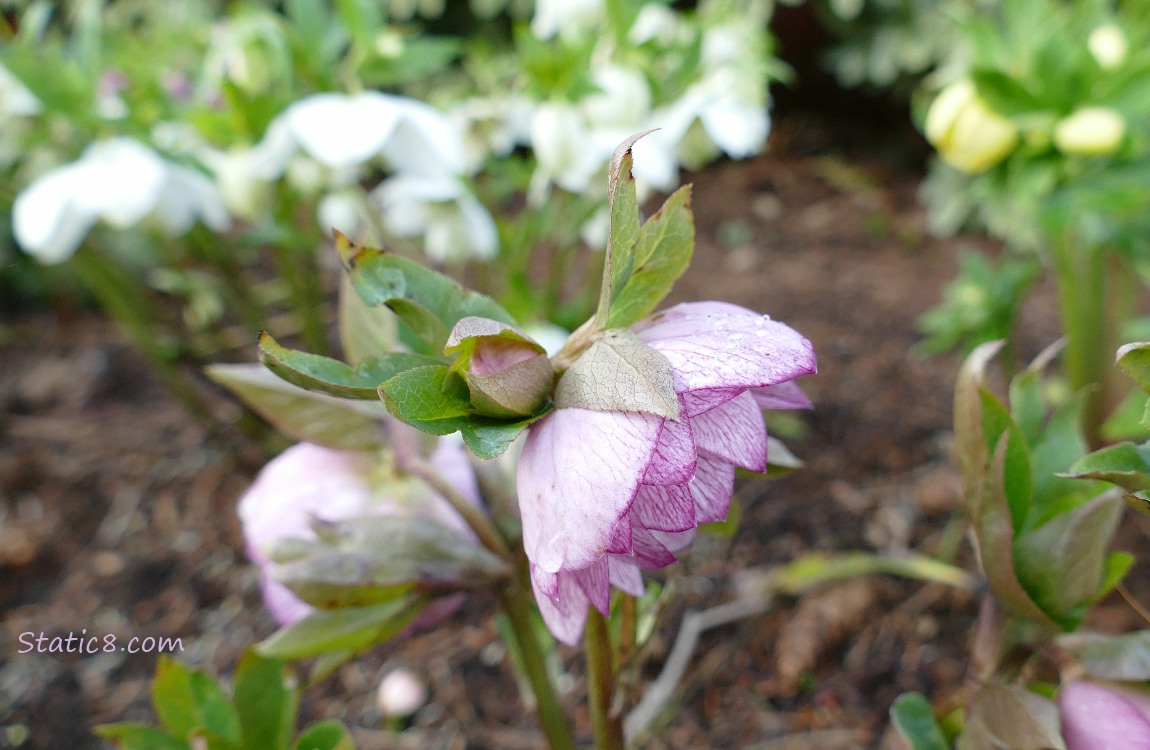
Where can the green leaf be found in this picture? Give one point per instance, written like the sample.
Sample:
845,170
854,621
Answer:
1135,360
1111,657
1004,94
266,700
304,415
624,228
384,367
432,399
1002,716
218,716
488,438
314,372
1126,465
138,737
326,735
428,302
660,256
352,628
173,699
619,373
1017,476
364,331
994,534
1118,564
914,720
1062,564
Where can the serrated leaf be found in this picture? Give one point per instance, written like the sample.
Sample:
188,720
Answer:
267,701
429,302
1002,716
619,373
623,206
130,736
914,720
1111,657
364,331
352,628
1062,564
326,735
307,416
314,372
432,399
383,367
660,256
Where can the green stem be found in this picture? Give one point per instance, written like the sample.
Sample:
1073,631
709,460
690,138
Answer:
235,282
606,724
1081,291
121,298
514,597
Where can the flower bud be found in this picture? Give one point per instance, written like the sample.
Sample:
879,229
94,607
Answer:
1101,715
968,134
507,373
1090,131
400,694
1108,45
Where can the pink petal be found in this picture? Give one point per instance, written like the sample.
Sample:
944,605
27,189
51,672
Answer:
620,540
578,475
649,552
782,396
285,607
595,583
625,575
564,612
674,459
675,541
1097,717
716,345
734,432
670,508
712,488
697,402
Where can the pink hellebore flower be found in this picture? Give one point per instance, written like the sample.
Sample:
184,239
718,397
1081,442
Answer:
307,481
604,494
1098,716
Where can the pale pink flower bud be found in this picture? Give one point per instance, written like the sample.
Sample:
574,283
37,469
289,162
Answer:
400,694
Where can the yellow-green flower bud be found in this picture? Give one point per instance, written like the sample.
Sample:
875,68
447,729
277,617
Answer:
1108,45
1090,131
968,134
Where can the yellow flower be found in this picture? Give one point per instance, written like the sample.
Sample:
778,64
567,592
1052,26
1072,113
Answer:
1090,131
1108,45
968,134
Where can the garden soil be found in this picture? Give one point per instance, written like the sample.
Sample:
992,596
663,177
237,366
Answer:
117,510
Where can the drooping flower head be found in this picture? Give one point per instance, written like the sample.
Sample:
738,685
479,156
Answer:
606,493
308,482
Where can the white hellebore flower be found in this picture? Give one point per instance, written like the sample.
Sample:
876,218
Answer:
342,131
120,181
454,224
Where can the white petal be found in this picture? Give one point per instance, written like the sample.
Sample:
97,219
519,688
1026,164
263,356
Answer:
577,478
340,130
425,141
739,129
46,220
121,181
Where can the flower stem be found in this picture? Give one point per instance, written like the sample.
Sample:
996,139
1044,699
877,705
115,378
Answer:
606,723
1082,293
513,597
